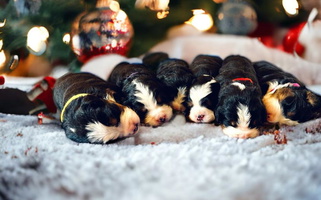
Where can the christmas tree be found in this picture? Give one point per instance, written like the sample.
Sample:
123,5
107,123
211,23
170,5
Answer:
58,16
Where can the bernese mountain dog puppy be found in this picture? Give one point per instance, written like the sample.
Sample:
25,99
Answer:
287,100
203,94
144,93
175,73
89,111
240,109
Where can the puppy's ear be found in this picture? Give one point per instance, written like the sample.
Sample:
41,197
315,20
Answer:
315,101
312,98
91,103
98,109
215,87
110,94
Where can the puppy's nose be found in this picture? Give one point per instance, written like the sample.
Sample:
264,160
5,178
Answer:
269,116
162,119
200,118
135,128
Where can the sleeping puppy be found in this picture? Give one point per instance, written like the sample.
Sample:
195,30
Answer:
144,93
203,94
175,73
240,110
286,98
89,112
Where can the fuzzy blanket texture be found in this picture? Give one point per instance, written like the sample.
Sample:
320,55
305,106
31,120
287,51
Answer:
177,161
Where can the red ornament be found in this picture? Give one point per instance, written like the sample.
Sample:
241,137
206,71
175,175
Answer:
102,31
288,42
291,42
2,80
43,91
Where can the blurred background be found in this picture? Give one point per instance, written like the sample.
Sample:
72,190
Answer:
37,35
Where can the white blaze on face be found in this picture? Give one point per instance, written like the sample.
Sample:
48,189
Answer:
242,130
101,133
198,112
241,86
156,114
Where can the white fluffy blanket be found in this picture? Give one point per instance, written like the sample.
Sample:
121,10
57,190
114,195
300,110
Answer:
176,161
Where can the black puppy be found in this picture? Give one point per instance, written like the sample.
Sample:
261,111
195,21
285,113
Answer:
240,109
203,94
287,100
89,112
175,73
144,93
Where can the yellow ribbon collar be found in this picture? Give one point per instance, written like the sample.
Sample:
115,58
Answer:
68,102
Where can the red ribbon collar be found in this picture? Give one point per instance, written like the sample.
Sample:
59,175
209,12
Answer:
243,79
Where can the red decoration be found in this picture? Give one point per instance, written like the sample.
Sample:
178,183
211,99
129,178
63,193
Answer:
40,117
102,31
266,33
2,80
87,54
291,40
43,91
44,119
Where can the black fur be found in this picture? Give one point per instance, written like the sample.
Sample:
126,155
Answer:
175,73
123,76
87,109
205,68
230,96
206,64
300,103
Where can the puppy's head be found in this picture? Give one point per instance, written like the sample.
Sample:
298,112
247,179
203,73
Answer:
177,76
96,120
150,102
290,103
203,97
206,64
240,114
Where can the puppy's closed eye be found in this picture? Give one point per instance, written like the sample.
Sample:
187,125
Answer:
289,100
92,102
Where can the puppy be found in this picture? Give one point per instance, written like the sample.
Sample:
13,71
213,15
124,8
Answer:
240,109
203,94
175,73
286,98
144,93
89,112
